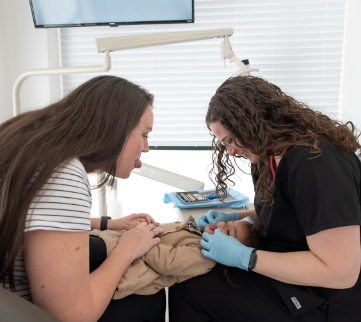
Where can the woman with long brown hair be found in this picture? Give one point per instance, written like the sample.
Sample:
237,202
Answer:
45,201
307,181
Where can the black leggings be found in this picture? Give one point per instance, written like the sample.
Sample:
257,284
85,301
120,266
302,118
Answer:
207,298
133,308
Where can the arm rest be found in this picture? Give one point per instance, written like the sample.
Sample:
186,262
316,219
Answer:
14,309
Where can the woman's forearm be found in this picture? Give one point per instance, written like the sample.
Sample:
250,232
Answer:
120,223
104,280
300,268
333,260
95,223
98,290
113,224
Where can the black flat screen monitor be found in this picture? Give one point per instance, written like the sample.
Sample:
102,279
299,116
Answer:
85,13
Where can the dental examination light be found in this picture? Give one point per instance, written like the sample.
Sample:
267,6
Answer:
109,44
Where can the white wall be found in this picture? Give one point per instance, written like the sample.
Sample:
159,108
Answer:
22,48
351,67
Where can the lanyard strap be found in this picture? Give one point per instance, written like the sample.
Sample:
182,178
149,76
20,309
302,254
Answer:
272,166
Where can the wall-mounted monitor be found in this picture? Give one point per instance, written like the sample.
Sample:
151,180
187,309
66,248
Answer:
85,13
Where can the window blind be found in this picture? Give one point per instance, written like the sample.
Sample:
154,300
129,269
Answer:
296,44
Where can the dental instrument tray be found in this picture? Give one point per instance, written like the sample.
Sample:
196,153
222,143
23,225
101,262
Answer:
189,197
206,198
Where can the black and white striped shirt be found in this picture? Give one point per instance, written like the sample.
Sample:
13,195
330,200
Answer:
63,204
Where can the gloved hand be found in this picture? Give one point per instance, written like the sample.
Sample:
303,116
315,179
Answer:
214,216
226,250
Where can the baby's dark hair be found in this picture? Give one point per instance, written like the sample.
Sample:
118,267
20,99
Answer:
254,241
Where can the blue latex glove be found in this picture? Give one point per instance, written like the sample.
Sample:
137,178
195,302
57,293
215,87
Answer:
214,216
226,250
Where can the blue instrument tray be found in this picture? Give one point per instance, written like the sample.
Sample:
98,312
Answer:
191,197
206,198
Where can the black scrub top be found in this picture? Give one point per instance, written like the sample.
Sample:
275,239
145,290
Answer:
311,195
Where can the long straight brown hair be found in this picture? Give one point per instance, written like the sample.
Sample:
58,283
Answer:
92,123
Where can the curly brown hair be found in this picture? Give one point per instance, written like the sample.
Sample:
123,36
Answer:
265,120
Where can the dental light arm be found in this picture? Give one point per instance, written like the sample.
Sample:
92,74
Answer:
227,52
140,41
56,71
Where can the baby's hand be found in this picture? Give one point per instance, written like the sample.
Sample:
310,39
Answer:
134,222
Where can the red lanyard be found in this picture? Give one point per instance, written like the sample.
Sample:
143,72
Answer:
272,166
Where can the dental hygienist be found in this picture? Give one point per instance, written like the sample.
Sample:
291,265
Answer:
307,181
45,200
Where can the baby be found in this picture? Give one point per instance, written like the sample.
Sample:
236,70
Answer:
176,258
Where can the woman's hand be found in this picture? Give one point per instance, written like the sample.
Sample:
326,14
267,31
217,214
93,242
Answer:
140,239
214,216
134,222
226,250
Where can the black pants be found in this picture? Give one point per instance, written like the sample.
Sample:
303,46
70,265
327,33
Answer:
209,298
133,308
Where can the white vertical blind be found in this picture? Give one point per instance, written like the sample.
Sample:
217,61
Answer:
296,44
